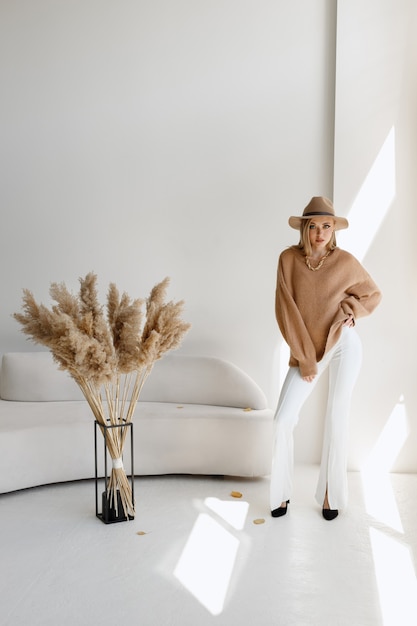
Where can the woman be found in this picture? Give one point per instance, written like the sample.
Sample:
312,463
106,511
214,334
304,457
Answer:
321,292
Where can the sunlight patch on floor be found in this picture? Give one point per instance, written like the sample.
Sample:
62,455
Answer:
393,560
234,513
206,564
396,579
380,501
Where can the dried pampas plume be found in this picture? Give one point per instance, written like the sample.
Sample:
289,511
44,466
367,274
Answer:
110,356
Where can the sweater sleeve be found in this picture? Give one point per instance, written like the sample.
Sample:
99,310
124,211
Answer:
292,326
363,296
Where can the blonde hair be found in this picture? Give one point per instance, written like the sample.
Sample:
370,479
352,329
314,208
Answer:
304,243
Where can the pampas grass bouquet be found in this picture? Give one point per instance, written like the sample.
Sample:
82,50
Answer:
109,352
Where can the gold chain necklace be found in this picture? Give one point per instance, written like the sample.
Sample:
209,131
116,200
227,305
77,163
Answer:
315,269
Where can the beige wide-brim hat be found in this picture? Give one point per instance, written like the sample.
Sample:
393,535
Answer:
319,205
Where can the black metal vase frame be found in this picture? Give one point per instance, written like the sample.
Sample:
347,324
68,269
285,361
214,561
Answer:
108,513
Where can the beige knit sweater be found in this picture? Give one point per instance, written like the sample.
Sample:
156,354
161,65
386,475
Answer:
312,306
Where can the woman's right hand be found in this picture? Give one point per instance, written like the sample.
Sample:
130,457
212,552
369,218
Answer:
309,379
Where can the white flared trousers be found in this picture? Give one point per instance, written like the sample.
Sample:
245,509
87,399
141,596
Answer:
344,362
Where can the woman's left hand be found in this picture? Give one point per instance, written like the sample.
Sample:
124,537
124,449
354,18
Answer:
350,321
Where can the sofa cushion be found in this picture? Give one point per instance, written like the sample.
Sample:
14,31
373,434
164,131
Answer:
35,377
42,443
202,380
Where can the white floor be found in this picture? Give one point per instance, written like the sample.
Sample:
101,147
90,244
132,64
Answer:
203,560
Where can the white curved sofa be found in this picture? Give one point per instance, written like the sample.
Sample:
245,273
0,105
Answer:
192,418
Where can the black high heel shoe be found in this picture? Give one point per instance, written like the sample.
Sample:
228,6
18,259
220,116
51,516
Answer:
330,514
280,511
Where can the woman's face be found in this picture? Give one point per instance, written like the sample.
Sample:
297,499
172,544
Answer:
320,232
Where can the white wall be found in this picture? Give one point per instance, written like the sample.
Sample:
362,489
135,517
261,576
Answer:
376,186
165,137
